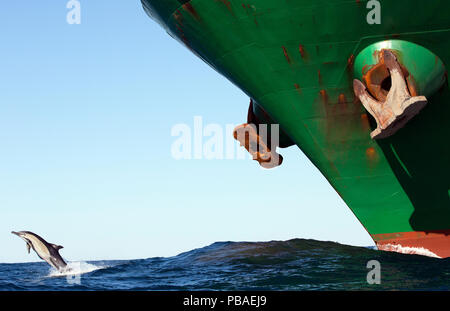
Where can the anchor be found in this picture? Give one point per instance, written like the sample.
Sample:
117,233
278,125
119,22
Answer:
248,137
257,145
394,109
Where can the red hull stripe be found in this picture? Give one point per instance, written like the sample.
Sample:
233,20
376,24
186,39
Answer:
436,242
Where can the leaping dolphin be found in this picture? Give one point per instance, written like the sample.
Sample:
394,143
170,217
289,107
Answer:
46,251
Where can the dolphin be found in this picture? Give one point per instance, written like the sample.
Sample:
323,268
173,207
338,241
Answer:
46,251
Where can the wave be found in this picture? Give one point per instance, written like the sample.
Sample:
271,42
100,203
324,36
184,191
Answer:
276,265
75,268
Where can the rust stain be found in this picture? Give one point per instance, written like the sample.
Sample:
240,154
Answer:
181,35
228,5
341,107
370,152
245,8
320,77
412,85
395,36
189,8
365,121
298,88
351,63
366,69
350,70
178,17
324,96
286,55
342,100
377,77
325,104
302,51
179,26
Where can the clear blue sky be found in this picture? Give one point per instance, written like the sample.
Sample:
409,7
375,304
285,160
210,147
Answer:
86,113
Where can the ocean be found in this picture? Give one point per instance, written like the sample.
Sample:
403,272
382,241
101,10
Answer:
278,265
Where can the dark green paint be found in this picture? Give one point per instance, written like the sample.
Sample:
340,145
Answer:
268,47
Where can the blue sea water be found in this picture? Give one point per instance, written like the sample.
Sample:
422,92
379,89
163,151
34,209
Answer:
278,265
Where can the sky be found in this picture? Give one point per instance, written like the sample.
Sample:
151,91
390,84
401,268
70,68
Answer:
86,118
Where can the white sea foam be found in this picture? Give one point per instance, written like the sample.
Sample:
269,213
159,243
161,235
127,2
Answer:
75,268
407,250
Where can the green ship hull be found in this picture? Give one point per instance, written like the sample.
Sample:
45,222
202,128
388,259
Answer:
296,60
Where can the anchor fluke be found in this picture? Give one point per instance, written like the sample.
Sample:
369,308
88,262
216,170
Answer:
257,146
398,107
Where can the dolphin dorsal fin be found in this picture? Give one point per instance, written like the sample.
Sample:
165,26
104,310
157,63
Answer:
57,247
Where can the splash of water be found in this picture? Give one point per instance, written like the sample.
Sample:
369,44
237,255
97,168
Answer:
408,250
75,268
